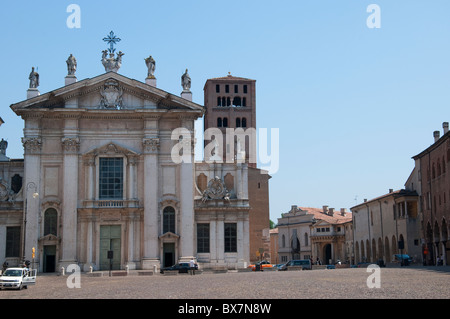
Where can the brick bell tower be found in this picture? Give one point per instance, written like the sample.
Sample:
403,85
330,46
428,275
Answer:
230,102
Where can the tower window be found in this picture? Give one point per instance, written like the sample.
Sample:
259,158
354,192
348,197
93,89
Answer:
227,88
225,122
238,122
236,88
245,88
244,122
219,122
244,101
217,88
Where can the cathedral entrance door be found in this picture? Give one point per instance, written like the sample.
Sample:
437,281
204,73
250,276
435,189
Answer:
110,240
169,254
327,254
49,258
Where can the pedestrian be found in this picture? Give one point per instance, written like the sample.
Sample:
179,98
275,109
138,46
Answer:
438,261
192,266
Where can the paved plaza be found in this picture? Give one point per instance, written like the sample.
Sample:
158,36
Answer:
349,283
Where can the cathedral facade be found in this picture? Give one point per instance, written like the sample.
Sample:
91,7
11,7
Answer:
109,178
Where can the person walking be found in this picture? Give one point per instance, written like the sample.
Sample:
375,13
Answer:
192,266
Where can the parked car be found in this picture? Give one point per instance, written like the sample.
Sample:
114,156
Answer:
180,267
260,265
404,259
304,263
17,278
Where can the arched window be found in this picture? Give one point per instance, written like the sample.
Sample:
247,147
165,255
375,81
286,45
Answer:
219,100
283,241
238,122
225,122
244,122
169,219
51,222
219,122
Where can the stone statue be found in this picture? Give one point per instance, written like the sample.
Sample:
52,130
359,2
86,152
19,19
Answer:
151,64
111,63
71,65
3,146
34,79
186,81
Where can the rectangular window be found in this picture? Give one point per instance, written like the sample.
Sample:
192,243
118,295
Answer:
12,241
217,88
230,238
227,88
245,88
111,178
203,238
236,88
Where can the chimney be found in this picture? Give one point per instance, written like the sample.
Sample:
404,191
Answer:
331,211
390,190
293,208
342,211
365,200
325,209
436,136
445,127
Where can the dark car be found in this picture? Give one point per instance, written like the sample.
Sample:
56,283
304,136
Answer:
181,267
304,263
404,260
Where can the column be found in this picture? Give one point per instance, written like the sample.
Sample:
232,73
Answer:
187,197
70,145
132,160
31,186
130,257
220,240
212,240
151,147
240,242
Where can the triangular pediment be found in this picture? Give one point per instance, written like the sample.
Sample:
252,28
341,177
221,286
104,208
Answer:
109,91
169,235
111,149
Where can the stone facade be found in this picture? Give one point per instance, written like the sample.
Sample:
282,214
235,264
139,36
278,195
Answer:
432,168
99,176
387,225
312,233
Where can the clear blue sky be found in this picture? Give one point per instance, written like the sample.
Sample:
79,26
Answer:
352,104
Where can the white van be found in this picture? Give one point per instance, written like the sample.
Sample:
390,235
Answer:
17,278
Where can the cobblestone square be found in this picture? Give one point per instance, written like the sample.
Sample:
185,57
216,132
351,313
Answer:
350,283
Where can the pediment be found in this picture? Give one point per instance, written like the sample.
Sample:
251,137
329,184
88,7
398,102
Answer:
110,92
169,235
111,149
50,238
322,223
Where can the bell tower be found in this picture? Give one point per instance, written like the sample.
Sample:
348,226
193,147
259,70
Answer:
231,103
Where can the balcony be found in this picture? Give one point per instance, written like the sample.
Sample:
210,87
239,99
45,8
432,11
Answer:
111,203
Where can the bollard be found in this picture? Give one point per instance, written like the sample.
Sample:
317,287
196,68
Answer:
127,268
62,271
91,269
155,269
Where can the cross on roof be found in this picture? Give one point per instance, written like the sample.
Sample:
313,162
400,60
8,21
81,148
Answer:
111,39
